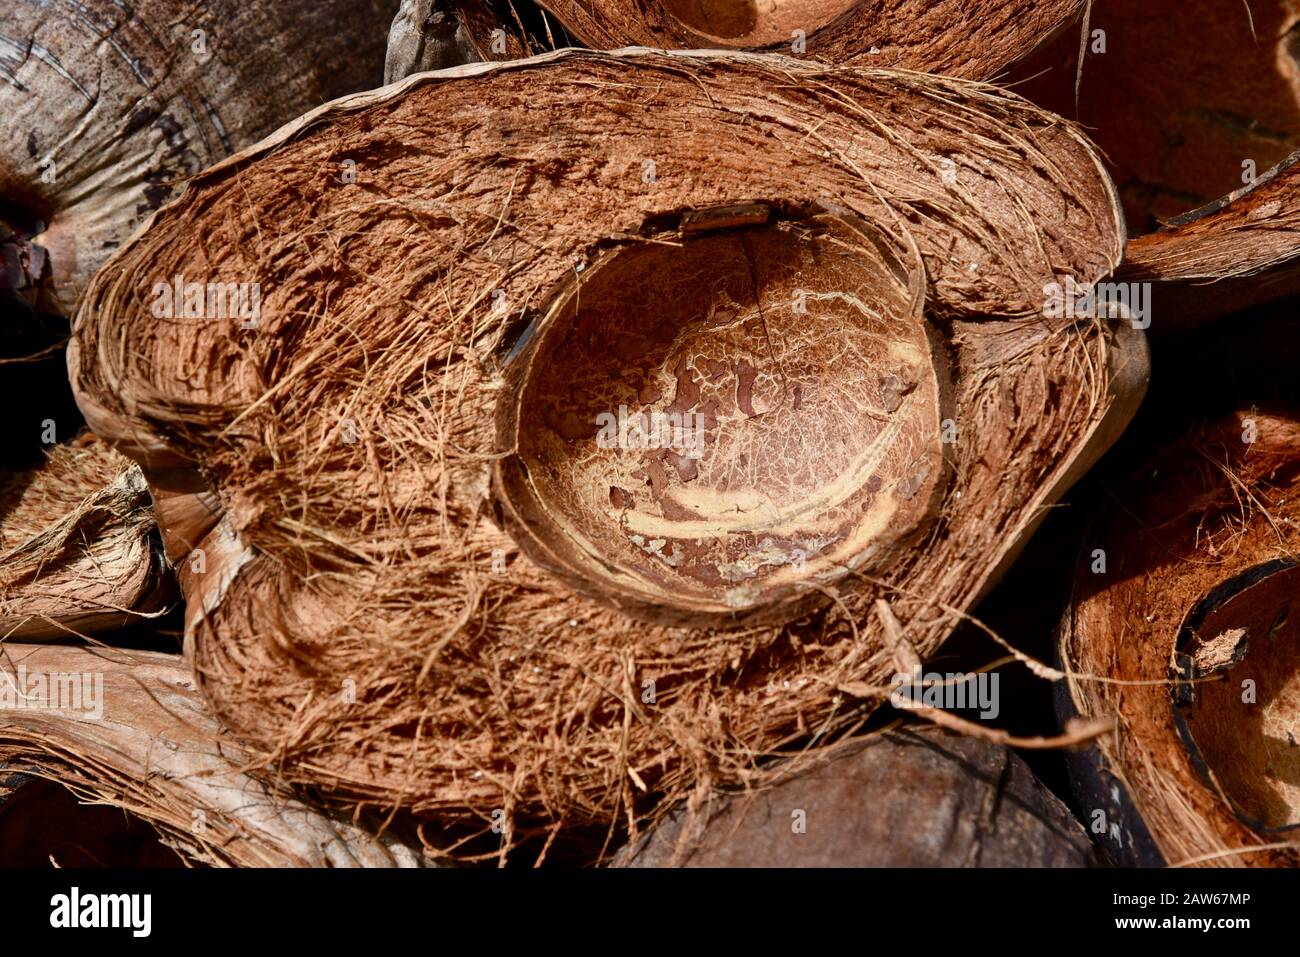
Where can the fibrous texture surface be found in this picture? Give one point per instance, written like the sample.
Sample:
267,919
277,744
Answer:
1202,665
382,458
108,107
128,730
966,38
79,547
1196,107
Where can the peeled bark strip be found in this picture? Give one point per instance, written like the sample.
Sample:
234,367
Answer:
905,798
107,107
135,735
1192,617
975,39
79,547
833,269
1196,106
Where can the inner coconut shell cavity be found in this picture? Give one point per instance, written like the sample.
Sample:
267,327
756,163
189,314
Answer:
711,430
1189,101
421,581
1196,616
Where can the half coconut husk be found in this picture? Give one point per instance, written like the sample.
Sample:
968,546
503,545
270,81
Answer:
975,39
905,798
1189,624
79,548
1196,106
426,579
128,730
108,107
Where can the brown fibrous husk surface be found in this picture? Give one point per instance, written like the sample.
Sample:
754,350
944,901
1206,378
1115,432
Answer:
973,39
1183,97
358,612
80,552
1238,252
137,736
1166,636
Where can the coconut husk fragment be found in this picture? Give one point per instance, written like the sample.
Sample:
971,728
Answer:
1182,630
966,38
1196,107
108,107
413,573
128,730
79,548
1238,252
438,34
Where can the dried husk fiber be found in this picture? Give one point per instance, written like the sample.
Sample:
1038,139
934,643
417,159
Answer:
349,621
125,102
156,753
1209,774
79,547
974,39
904,798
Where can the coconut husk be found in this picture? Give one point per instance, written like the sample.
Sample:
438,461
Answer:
79,548
109,107
136,736
1187,640
965,38
906,798
1196,106
394,611
1237,252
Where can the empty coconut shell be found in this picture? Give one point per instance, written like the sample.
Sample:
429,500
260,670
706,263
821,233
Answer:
79,547
108,107
127,730
437,564
1196,106
1183,628
908,798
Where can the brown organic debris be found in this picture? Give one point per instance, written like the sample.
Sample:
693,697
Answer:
1238,252
79,548
437,34
975,39
425,581
129,731
1190,641
1196,106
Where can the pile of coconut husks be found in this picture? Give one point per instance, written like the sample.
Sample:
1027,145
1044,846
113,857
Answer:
672,433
